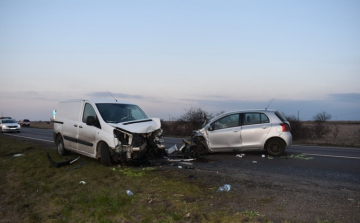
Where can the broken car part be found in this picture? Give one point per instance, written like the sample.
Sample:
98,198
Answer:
60,164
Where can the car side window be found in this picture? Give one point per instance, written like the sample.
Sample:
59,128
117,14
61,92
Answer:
226,122
88,111
255,118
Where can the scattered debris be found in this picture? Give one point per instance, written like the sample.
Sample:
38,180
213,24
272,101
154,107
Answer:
270,157
82,182
18,155
239,155
254,161
78,166
301,156
180,167
225,187
263,156
128,192
192,177
60,164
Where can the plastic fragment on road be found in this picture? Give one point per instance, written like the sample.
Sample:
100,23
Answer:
18,155
82,182
270,157
129,193
254,161
301,156
239,155
225,187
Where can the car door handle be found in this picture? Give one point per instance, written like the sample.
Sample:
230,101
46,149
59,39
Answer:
75,125
80,126
264,127
235,130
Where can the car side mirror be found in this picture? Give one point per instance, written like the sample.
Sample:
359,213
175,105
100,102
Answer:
210,128
90,120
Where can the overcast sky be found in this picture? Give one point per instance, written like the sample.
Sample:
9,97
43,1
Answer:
169,56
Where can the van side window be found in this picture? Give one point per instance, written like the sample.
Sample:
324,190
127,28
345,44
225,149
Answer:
88,111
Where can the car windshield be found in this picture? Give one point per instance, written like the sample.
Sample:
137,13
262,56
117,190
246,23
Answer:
9,121
116,113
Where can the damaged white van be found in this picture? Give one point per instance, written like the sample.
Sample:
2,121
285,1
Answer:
107,130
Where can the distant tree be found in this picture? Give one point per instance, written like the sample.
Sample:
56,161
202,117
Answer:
195,117
320,128
322,117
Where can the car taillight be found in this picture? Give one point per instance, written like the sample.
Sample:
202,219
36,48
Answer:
285,127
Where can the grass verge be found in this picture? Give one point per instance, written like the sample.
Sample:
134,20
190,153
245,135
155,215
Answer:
31,190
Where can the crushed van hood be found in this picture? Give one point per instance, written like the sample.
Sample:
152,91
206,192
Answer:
139,126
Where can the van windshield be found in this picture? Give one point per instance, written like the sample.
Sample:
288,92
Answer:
116,113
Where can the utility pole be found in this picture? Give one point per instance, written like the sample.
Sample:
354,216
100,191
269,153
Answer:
298,115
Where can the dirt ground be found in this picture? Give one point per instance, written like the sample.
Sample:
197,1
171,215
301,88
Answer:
276,198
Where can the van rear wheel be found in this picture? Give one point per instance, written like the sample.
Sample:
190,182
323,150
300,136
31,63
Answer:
60,147
275,147
105,155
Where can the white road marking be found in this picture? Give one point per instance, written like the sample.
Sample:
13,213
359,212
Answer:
30,138
346,157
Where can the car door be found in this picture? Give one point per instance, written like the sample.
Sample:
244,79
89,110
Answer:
255,127
87,133
224,133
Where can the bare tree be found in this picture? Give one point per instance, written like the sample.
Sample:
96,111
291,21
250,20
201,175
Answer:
322,117
320,128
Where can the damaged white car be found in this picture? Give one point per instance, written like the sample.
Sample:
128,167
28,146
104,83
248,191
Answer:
239,131
107,130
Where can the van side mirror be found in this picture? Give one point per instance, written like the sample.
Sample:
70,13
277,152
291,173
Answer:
90,120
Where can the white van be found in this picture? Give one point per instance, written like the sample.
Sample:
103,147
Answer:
106,129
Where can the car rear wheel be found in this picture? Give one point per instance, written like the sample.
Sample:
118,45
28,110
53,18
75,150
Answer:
105,155
275,147
60,147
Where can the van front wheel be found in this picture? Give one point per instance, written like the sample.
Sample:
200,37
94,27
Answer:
60,147
105,155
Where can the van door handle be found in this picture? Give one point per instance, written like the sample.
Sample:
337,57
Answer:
264,127
235,130
75,125
80,126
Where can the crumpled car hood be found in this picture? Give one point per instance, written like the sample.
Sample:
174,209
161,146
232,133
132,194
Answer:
139,126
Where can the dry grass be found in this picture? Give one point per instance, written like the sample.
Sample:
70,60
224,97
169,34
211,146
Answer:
341,134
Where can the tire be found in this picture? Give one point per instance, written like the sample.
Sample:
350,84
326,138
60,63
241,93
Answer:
60,147
105,155
200,149
275,147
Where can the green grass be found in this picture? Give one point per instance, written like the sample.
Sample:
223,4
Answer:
31,190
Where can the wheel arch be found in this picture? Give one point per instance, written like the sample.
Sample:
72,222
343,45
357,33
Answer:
272,138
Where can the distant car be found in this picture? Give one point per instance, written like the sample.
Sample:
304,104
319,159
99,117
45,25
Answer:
246,130
25,122
9,125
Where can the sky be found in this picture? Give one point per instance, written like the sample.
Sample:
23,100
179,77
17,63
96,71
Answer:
169,56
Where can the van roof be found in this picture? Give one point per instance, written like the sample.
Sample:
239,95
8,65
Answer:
97,101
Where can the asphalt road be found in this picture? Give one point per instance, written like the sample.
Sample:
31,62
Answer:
336,166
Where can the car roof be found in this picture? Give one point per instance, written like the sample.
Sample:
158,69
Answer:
250,110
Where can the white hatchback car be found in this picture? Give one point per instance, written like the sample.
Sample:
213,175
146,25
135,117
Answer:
246,130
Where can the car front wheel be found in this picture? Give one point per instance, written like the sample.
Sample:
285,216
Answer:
275,147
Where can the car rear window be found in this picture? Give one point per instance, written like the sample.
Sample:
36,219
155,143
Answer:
280,116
